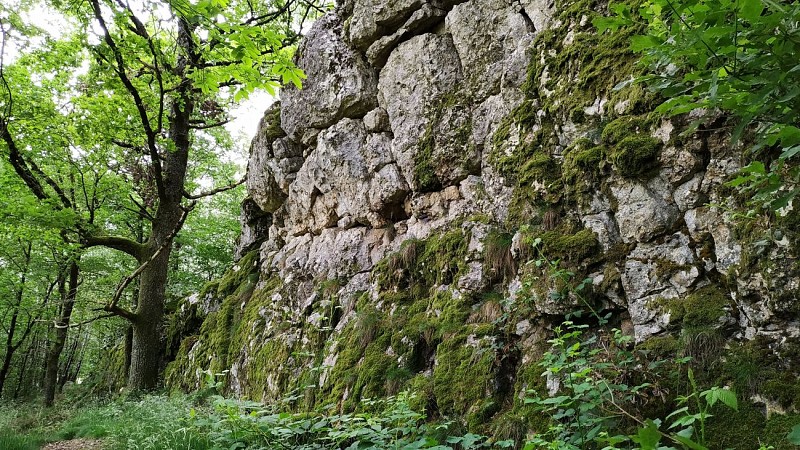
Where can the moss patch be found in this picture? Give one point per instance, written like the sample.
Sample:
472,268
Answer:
636,155
701,310
430,157
245,271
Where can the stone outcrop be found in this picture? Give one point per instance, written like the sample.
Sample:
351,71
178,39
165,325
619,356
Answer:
436,149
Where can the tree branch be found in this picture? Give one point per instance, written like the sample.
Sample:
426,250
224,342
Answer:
206,126
143,212
121,244
214,191
120,68
112,306
19,164
118,311
88,321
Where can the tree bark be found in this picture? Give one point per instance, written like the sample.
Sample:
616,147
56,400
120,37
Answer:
147,348
62,328
23,368
10,346
128,349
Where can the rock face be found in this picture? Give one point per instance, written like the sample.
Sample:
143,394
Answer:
438,147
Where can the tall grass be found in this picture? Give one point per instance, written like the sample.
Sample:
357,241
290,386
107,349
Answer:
10,440
153,422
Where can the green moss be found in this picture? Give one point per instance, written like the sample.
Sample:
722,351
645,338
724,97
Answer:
525,206
268,361
272,118
701,310
754,368
626,126
246,272
586,67
249,316
428,158
539,168
527,161
636,155
666,268
748,428
611,277
661,347
424,164
528,383
435,261
462,377
209,288
570,247
583,162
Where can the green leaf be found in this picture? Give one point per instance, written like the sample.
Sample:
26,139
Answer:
648,436
642,43
794,436
750,10
689,442
755,167
790,152
728,397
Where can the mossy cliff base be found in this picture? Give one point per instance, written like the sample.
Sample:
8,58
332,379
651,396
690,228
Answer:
423,223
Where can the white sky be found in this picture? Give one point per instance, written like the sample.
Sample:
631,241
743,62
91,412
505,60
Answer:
247,115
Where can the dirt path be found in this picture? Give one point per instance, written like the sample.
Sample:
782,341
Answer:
75,444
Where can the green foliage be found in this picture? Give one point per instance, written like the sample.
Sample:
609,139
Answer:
735,56
599,391
388,423
152,423
13,441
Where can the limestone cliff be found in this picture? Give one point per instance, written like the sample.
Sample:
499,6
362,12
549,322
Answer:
439,147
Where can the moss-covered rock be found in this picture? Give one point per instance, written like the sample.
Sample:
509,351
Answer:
701,310
635,155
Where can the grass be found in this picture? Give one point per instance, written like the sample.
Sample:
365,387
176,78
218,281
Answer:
154,422
10,440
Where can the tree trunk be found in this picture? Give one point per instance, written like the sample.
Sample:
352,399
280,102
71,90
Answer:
62,328
128,349
148,349
146,345
4,369
10,346
24,366
66,368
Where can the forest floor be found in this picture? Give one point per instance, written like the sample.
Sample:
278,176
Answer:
75,444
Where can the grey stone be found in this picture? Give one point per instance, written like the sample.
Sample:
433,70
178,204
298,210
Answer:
644,210
340,82
415,79
349,174
420,21
377,121
267,177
